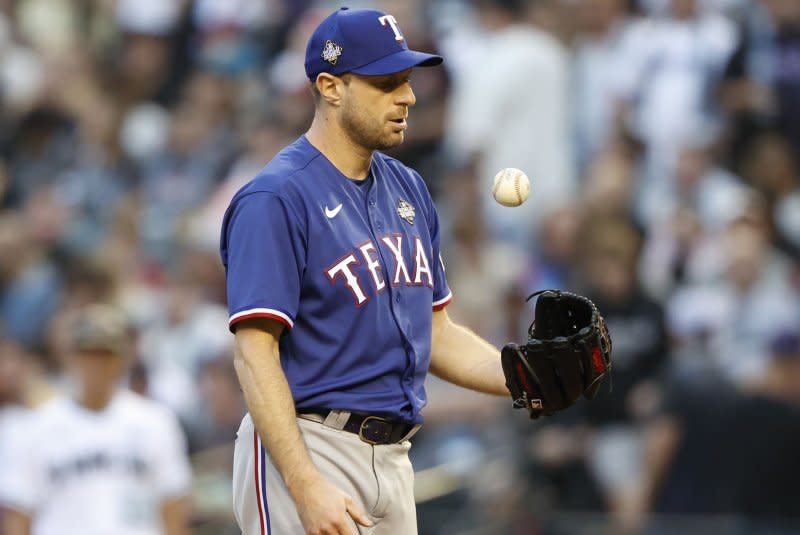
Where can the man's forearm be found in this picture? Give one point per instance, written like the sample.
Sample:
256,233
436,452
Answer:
461,357
269,400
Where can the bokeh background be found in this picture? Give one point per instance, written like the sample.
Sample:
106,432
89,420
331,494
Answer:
662,139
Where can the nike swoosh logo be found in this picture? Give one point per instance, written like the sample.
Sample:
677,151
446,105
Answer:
332,213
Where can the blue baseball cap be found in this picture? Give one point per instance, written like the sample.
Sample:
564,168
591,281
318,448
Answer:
361,41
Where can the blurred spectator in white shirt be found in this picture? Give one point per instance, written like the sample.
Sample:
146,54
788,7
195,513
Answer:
602,25
510,108
743,309
666,77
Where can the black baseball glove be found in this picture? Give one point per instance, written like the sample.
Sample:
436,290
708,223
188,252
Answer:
567,354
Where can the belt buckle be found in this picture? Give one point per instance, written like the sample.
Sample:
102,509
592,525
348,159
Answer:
364,424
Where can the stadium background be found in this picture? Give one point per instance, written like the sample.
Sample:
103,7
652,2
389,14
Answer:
662,139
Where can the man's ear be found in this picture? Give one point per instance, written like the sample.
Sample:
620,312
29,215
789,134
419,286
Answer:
329,88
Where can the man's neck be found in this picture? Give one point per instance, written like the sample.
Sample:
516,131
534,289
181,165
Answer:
351,159
95,401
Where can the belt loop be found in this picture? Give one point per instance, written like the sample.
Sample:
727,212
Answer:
336,419
411,433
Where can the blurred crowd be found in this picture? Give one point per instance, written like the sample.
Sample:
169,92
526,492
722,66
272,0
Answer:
662,138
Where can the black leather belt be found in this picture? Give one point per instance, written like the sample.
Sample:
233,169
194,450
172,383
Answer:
370,428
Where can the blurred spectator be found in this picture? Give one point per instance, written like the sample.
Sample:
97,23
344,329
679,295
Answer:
101,177
199,151
33,19
260,142
181,337
554,259
40,148
21,390
762,78
556,468
686,215
29,280
422,148
610,182
509,108
119,463
148,17
231,36
21,75
145,66
679,251
609,258
770,165
743,309
720,448
487,271
84,281
713,193
602,26
211,434
666,77
15,371
222,405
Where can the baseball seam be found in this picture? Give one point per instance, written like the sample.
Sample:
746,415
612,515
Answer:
516,188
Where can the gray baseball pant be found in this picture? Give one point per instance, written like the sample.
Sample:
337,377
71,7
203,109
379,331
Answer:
379,478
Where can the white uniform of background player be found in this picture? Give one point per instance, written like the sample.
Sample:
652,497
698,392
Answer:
91,464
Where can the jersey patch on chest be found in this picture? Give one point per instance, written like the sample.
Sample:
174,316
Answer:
406,211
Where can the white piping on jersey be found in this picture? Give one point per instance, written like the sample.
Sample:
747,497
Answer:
443,300
266,311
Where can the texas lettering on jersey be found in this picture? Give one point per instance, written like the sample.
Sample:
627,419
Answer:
414,273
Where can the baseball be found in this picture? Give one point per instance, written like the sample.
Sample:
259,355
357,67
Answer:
511,187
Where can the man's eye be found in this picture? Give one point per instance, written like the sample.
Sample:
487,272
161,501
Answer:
391,85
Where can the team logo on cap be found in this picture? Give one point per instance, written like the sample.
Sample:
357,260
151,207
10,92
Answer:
392,22
331,52
406,211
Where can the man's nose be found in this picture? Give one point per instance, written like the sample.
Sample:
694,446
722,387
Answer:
405,95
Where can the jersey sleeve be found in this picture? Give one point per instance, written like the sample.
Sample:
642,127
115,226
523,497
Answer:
172,472
264,257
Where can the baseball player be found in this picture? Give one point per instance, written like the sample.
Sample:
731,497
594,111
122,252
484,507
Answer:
337,298
101,461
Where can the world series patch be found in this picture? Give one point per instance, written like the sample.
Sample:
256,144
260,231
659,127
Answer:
406,211
331,52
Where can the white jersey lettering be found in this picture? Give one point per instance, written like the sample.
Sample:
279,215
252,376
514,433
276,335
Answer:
421,265
371,258
400,263
350,279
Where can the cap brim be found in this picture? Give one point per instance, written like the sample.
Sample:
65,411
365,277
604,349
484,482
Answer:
397,62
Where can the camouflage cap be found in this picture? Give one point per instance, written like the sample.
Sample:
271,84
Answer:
100,327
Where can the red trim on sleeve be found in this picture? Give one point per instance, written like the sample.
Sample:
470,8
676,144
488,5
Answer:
444,303
234,321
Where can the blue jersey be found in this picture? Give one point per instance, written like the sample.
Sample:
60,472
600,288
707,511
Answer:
351,268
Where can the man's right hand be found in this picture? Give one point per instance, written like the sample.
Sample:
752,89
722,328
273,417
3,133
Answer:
324,509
